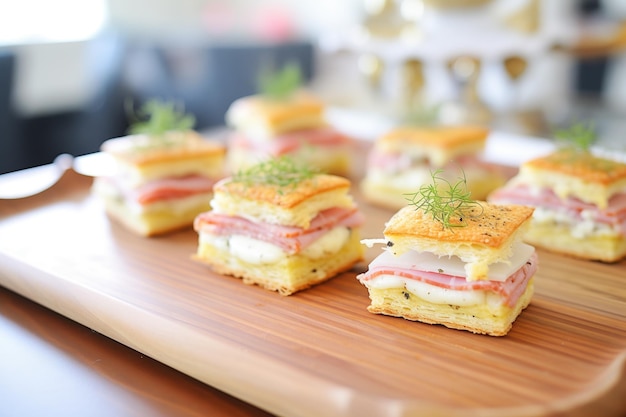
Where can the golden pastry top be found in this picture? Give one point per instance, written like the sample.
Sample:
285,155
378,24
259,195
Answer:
274,113
445,137
288,196
582,165
140,150
483,224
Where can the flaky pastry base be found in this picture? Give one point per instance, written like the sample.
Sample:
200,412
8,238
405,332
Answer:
291,274
399,302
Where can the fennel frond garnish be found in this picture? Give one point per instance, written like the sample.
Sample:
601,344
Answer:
578,137
157,117
281,172
280,85
446,202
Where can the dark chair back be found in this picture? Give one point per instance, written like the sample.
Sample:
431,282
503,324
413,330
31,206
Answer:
10,146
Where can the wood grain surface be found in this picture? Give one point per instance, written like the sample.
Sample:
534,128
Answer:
318,352
54,367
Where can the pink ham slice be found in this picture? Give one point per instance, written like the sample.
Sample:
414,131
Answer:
394,163
614,214
289,238
510,289
163,189
292,141
170,188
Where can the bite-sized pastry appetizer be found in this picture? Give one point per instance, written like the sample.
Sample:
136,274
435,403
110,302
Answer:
164,173
281,225
285,119
402,160
453,261
579,201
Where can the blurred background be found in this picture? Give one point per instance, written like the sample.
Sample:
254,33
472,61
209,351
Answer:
67,67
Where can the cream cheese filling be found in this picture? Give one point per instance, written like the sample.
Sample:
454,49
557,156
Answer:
450,265
453,266
438,295
412,178
258,252
580,228
179,205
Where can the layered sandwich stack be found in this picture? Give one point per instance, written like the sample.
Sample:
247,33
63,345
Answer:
403,159
281,226
162,178
579,201
288,122
462,265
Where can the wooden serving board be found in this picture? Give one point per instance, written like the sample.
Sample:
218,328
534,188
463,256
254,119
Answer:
318,352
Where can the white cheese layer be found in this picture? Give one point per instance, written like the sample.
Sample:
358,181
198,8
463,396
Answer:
437,295
406,179
411,178
258,252
429,262
327,244
173,206
565,186
580,228
135,176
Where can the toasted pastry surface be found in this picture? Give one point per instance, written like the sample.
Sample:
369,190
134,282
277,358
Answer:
142,150
440,137
575,174
485,225
439,145
476,319
488,235
287,206
581,165
263,115
287,196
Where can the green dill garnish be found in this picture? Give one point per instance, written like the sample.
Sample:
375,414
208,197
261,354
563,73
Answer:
447,203
422,115
280,85
282,172
579,137
157,117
